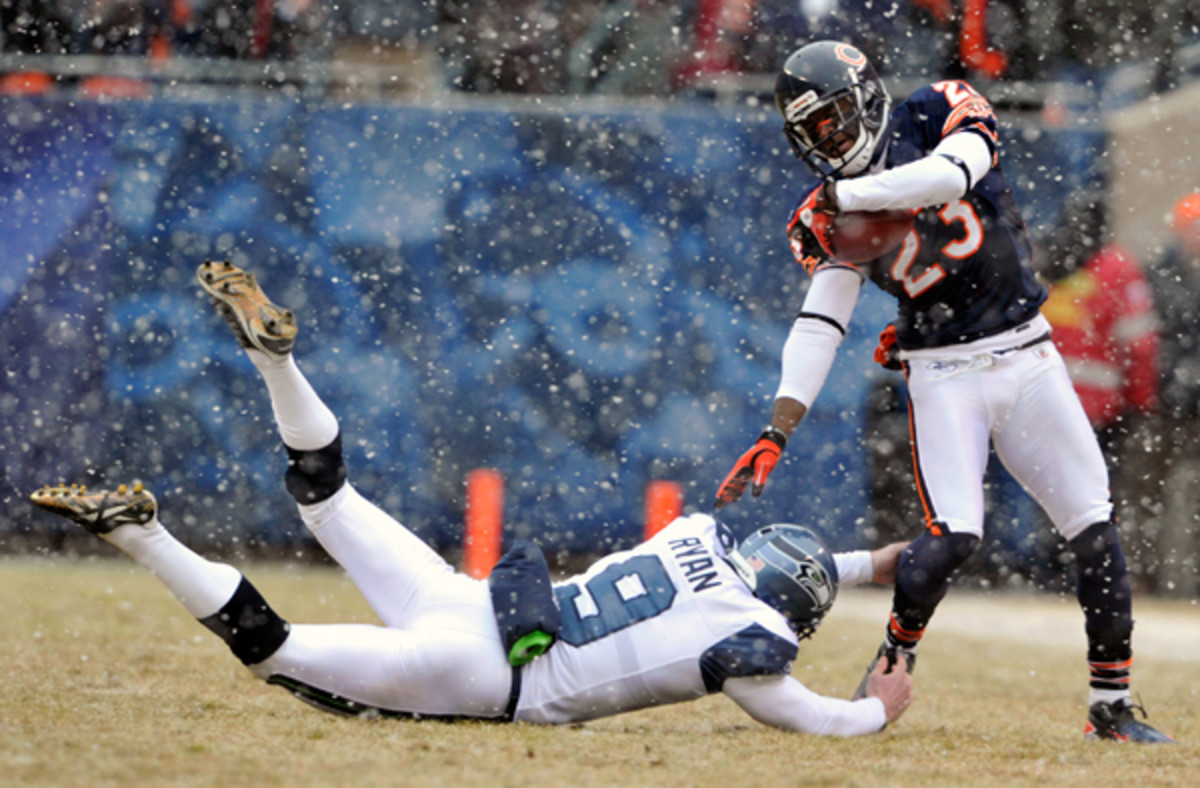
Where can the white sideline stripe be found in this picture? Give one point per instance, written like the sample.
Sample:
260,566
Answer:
1041,620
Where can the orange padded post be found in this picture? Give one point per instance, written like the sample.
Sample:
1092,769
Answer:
972,43
664,502
485,517
26,83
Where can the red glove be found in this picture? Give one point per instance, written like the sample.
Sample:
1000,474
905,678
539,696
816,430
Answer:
755,464
886,352
811,227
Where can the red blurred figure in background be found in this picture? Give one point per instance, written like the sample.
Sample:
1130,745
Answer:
1102,310
1176,282
1106,329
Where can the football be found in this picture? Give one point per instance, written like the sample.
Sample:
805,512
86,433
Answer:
860,236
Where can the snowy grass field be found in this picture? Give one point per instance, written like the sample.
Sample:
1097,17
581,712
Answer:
109,682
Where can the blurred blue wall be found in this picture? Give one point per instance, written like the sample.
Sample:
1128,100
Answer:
585,300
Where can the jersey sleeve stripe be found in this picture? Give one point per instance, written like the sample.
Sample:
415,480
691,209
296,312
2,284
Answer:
754,651
969,111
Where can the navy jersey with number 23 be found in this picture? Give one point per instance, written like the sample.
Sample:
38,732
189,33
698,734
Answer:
964,272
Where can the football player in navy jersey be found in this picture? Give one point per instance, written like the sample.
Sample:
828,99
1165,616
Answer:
968,333
687,613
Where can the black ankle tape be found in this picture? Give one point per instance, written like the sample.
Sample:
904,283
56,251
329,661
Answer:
248,625
313,476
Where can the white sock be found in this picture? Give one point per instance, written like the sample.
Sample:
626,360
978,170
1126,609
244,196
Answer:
202,586
305,422
1106,695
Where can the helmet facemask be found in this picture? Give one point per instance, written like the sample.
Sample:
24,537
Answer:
839,134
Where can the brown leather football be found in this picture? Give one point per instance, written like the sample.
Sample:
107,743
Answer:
860,236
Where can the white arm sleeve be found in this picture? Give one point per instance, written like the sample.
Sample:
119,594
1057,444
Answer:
854,568
933,180
813,342
785,703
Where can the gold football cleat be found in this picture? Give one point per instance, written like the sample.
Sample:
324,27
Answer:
100,511
256,322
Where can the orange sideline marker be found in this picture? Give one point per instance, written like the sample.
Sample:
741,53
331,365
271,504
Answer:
485,518
664,502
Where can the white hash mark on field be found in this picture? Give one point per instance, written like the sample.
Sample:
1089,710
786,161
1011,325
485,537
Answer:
1164,630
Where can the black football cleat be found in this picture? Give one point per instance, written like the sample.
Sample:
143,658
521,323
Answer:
1116,722
256,322
888,652
101,511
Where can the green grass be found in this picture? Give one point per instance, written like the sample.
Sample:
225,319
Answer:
109,682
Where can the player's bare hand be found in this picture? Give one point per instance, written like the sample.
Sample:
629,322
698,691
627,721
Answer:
894,687
884,562
755,465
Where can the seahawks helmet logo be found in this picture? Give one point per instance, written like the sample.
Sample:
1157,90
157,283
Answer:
814,581
810,576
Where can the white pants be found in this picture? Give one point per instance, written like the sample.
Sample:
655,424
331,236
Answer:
1024,402
439,652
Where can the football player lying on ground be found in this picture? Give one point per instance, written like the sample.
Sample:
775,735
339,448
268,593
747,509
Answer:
683,615
974,346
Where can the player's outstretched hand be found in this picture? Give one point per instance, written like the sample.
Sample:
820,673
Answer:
894,687
756,464
884,562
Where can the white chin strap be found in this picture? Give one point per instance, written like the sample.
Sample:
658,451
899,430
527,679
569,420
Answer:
857,159
860,155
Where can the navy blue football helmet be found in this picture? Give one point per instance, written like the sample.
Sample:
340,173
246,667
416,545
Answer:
791,569
835,108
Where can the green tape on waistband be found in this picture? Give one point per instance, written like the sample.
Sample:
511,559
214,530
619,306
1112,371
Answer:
529,647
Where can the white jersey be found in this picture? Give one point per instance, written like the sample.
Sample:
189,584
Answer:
668,621
665,622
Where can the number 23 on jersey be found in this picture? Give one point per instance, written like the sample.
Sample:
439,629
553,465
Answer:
917,282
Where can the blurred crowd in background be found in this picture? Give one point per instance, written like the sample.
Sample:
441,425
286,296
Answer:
1127,327
640,47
